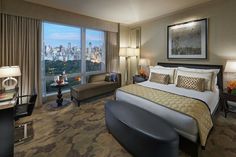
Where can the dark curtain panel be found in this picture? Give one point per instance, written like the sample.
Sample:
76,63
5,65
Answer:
20,44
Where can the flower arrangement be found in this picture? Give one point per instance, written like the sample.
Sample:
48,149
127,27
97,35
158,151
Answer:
231,87
142,73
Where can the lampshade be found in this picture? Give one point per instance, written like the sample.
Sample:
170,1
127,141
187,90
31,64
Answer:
131,52
230,66
123,52
127,52
9,71
144,62
137,52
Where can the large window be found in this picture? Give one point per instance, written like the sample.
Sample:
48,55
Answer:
95,50
64,52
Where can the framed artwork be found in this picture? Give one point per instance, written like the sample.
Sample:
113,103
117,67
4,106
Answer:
187,40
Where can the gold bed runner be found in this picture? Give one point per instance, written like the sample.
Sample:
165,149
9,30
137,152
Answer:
188,106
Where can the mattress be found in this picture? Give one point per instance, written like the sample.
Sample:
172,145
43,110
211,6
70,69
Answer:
183,124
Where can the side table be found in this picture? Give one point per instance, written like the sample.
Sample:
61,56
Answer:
225,97
60,102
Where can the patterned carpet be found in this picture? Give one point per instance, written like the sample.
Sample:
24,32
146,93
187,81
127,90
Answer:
80,132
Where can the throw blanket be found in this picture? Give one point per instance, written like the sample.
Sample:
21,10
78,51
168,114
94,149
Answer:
188,106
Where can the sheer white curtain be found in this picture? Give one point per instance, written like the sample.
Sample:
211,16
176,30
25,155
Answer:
20,44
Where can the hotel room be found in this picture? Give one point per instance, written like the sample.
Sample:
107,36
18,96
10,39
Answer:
121,78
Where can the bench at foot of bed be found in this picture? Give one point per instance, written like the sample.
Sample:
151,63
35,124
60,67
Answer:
140,132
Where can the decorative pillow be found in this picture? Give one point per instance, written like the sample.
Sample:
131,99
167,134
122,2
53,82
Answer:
214,77
197,84
206,75
160,78
108,78
163,70
113,77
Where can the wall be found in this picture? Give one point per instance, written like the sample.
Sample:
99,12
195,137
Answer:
222,32
27,9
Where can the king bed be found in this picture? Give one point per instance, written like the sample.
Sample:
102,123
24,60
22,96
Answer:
186,126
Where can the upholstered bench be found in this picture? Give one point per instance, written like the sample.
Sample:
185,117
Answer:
142,133
96,86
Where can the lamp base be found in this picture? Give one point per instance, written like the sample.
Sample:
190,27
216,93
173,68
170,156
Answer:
9,87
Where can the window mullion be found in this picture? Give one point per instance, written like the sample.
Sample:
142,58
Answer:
83,55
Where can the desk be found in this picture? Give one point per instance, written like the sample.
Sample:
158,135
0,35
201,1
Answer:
7,123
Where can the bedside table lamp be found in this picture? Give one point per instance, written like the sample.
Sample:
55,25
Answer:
230,67
9,72
144,63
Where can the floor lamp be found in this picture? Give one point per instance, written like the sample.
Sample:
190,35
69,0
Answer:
127,52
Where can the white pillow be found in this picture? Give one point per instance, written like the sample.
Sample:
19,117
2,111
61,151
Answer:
206,75
214,77
163,70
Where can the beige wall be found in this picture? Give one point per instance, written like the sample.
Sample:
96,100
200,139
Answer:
23,8
222,32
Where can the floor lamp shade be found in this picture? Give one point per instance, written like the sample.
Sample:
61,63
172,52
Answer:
123,52
9,72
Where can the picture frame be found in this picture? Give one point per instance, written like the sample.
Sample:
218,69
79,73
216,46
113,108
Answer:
188,40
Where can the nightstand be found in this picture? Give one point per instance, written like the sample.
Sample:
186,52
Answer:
225,97
138,79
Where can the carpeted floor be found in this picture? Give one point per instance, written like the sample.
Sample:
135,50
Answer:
81,132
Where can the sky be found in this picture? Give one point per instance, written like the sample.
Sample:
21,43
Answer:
55,35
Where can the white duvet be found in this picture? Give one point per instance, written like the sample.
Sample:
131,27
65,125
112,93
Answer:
183,124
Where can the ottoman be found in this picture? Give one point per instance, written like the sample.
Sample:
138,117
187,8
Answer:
140,132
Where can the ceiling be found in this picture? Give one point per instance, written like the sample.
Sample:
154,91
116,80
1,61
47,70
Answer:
121,11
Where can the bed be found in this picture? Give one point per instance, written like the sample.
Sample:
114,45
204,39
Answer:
185,125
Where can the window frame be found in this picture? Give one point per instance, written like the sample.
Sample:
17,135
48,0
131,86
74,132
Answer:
83,74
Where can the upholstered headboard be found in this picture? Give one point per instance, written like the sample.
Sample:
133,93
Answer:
199,66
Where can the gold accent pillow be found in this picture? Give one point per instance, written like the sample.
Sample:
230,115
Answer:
160,78
194,83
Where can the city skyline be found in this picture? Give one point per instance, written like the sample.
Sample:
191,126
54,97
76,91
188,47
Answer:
56,35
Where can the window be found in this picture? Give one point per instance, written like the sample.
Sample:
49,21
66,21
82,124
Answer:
63,53
95,50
